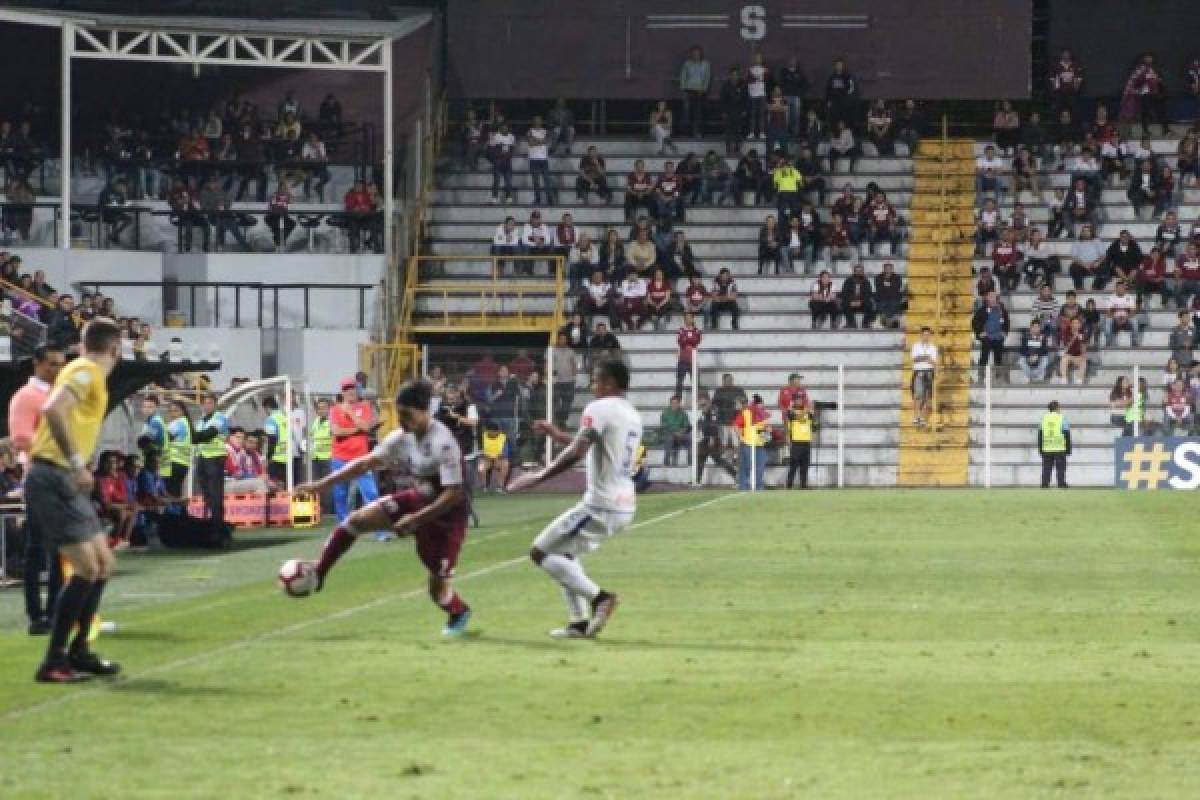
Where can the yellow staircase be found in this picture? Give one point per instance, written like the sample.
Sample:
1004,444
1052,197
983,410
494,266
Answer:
940,297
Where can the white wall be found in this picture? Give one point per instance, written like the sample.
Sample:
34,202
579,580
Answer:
64,268
323,357
239,349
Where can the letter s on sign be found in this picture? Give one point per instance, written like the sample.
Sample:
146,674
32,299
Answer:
754,23
1189,466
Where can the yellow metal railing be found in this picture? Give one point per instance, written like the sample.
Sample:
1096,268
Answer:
504,302
935,415
388,366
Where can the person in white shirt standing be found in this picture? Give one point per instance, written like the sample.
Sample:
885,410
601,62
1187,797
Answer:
609,436
537,139
1122,315
924,362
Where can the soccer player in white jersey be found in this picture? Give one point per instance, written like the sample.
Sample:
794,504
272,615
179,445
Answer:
434,510
610,431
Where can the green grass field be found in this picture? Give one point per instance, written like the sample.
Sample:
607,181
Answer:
873,644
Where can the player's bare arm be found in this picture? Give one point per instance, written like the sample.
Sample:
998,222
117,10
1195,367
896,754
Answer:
357,467
553,431
568,458
448,499
58,405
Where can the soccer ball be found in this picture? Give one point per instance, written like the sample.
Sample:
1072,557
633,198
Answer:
297,578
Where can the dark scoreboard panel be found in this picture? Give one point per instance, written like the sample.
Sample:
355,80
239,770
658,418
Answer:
633,48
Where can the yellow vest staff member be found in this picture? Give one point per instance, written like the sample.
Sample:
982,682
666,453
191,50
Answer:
58,500
321,431
211,432
799,432
495,452
1054,443
788,182
179,447
751,427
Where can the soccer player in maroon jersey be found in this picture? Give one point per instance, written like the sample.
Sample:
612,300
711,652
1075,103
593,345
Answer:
434,510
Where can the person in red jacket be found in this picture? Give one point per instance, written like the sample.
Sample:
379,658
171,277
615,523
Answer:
794,389
1187,275
360,208
1151,276
688,339
1006,261
658,300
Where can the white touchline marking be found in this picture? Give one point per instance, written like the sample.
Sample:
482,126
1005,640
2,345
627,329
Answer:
242,644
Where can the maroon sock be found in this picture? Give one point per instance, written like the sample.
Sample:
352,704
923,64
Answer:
455,606
335,547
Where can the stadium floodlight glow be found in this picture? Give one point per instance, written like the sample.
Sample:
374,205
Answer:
204,41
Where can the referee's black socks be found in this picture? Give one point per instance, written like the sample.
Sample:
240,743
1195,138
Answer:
87,615
71,602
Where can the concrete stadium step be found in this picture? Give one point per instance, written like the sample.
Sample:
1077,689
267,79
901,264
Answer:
564,181
1162,145
781,339
703,250
1154,339
1023,435
744,270
1027,416
1030,475
1029,454
776,362
823,381
620,163
660,398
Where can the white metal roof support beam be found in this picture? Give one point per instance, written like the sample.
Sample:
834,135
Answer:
389,191
64,191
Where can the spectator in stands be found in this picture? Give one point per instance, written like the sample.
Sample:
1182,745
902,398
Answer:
566,236
360,211
839,239
883,225
659,300
990,170
723,299
537,140
1066,80
1177,410
770,246
631,307
749,176
186,216
880,128
794,85
1143,188
676,431
1123,257
841,96
1172,372
716,181
277,217
1169,234
661,126
575,329
1034,360
987,226
612,255
472,140
583,258
1186,277
639,191
695,77
562,126
1025,172
536,240
1087,168
641,255
604,344
793,394
1045,310
690,179
687,340
252,160
597,298
1182,340
1145,96
501,145
1089,259
695,297
802,240
1006,127
668,196
843,145
778,136
216,202
757,78
314,154
1035,139
1187,160
990,325
113,198
680,261
1122,315
733,101
924,358
889,296
811,181
592,176
503,398
857,298
813,134
193,147
506,241
1040,264
1120,400
910,125
823,301
1073,349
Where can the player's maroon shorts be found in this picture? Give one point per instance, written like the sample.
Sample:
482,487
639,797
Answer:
438,542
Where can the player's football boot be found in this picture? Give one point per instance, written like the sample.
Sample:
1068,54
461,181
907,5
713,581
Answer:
603,607
91,664
456,625
575,630
59,673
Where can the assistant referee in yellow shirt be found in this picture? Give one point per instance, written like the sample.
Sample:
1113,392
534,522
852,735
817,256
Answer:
58,501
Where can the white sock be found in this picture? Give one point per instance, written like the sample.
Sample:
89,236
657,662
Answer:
570,574
578,608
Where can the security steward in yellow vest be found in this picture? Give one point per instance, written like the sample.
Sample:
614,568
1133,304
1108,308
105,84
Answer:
788,182
179,447
277,430
322,447
1054,443
799,426
211,432
495,451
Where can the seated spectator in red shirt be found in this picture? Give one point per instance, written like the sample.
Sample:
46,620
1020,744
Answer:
695,297
1006,261
112,495
1151,277
1073,346
658,300
823,301
794,390
253,454
1177,409
360,210
882,223
839,239
1187,274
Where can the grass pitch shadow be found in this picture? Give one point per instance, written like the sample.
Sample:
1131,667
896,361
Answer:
628,644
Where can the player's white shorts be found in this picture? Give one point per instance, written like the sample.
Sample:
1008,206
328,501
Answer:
581,530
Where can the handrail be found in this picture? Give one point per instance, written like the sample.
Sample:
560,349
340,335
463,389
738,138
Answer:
491,287
935,410
12,287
